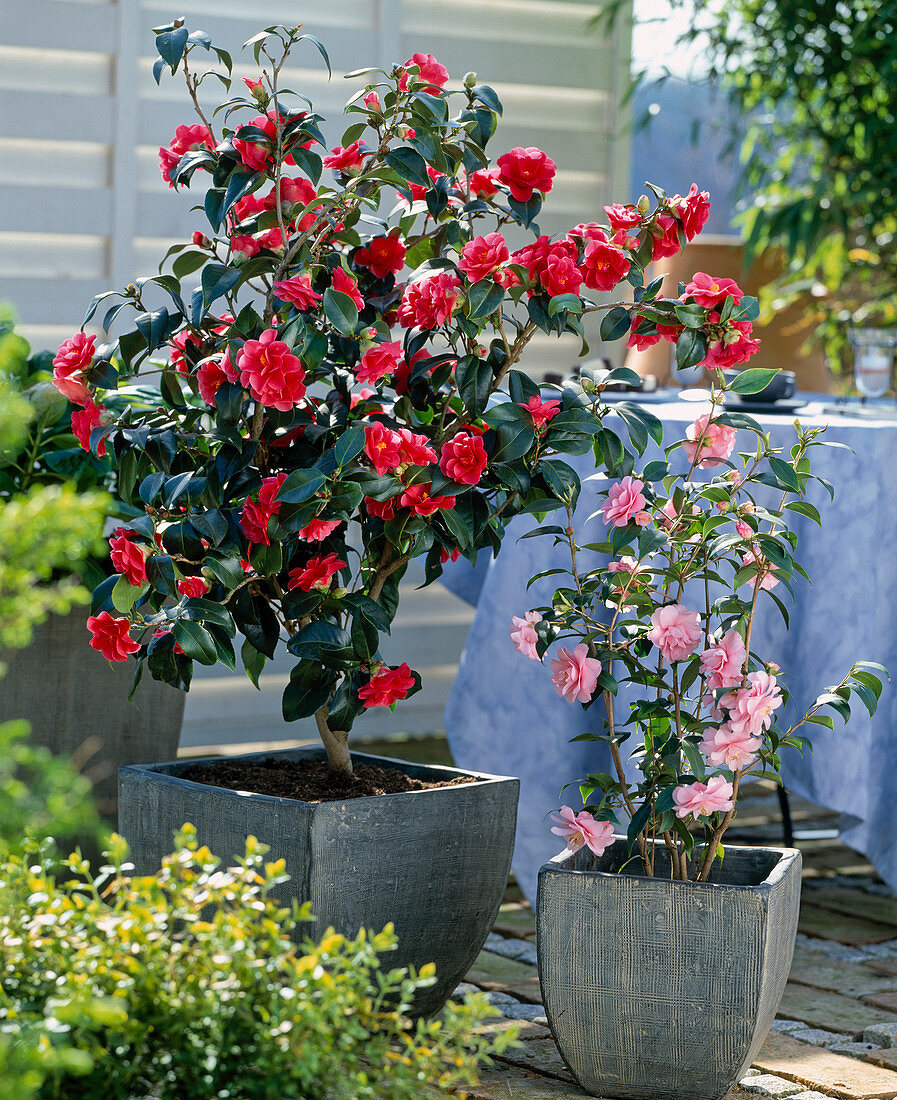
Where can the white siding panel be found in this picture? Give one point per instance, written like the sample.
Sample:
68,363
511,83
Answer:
29,161
53,118
57,71
47,255
55,206
44,24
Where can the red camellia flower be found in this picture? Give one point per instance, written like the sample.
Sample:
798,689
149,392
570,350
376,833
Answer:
694,210
298,292
429,303
185,138
668,243
194,587
73,357
382,256
736,347
350,160
83,423
622,217
387,686
128,558
271,373
316,573
604,265
110,636
434,74
481,256
254,517
381,445
319,529
294,191
418,500
346,284
257,155
382,509
379,361
210,374
525,171
560,275
415,449
177,349
534,257
541,411
483,182
463,458
710,291
642,340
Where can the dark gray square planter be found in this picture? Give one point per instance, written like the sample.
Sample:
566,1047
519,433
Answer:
434,862
664,990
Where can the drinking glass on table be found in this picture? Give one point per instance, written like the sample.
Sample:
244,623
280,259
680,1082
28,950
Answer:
873,360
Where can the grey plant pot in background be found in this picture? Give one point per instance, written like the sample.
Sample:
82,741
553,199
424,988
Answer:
658,989
434,862
77,702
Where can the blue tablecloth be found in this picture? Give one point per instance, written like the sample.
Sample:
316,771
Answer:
504,715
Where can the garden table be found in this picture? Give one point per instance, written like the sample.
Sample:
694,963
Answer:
504,716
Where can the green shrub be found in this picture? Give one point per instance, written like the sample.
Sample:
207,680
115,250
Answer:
187,985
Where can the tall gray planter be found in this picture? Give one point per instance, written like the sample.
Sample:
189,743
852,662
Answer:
76,700
434,862
657,989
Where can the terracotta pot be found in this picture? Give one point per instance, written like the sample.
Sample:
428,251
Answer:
434,862
77,702
657,989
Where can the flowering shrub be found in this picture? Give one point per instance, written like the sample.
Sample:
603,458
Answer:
339,384
187,984
671,612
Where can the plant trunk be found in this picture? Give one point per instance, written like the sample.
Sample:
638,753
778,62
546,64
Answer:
336,742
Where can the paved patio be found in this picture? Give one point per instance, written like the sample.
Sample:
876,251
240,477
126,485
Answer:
836,1031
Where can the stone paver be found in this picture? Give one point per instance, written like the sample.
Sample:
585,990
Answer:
818,1037
765,1084
832,1074
883,1034
831,1011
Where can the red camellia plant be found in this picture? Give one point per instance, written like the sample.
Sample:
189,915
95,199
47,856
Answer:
338,353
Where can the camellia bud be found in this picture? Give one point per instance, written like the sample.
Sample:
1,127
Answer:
480,351
338,593
747,508
470,80
201,240
643,205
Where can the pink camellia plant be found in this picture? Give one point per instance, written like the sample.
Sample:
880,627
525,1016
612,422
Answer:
656,621
339,352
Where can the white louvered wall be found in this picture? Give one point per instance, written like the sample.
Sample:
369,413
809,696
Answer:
83,207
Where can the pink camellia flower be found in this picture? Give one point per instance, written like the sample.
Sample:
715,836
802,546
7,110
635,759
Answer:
481,256
210,375
626,564
525,171
582,828
693,209
255,515
667,243
708,442
767,576
72,359
523,634
463,458
744,529
541,411
418,500
185,138
723,662
622,217
381,445
724,748
387,686
675,631
429,303
430,71
193,587
624,500
560,275
319,529
415,449
702,799
379,361
298,292
347,284
382,509
128,558
604,265
316,573
372,101
110,636
382,256
575,674
83,423
710,291
271,373
350,160
750,708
